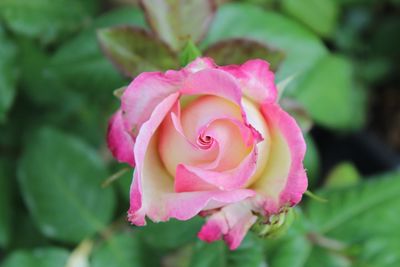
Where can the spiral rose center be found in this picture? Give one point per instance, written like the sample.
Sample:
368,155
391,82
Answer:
210,133
205,142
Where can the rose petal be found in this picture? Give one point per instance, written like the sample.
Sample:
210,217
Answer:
152,185
119,141
284,179
139,191
256,79
204,110
233,167
231,223
153,195
204,82
235,141
144,93
256,120
200,64
189,177
175,148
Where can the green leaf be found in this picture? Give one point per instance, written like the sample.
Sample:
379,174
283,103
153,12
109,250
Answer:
43,257
134,50
301,47
60,178
329,88
249,254
120,250
356,212
25,234
43,19
382,251
171,234
237,51
358,226
177,21
5,205
209,255
8,74
312,161
189,53
79,62
322,257
120,16
344,174
39,81
292,251
296,248
320,15
124,184
179,258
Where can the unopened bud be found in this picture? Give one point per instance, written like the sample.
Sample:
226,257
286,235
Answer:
275,225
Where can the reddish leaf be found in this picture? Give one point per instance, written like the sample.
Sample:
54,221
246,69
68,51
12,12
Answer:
177,21
237,51
134,50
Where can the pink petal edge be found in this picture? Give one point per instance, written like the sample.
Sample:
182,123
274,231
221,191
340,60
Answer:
256,79
296,183
119,141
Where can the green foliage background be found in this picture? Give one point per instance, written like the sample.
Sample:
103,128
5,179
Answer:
56,95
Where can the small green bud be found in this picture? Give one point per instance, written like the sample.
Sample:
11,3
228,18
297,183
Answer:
189,53
119,92
275,225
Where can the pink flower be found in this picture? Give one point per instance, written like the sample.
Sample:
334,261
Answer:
209,140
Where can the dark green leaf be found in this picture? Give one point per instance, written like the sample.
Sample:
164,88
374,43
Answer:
124,184
80,63
171,234
301,47
237,51
43,19
60,179
379,251
43,257
134,50
320,15
248,254
179,258
322,257
25,234
329,88
217,254
8,74
290,251
5,205
177,21
120,250
209,255
39,81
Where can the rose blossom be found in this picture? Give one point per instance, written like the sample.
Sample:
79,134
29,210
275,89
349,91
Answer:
210,140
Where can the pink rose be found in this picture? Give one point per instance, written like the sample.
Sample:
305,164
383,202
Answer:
209,140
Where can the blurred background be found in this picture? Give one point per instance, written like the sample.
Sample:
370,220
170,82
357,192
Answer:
63,199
